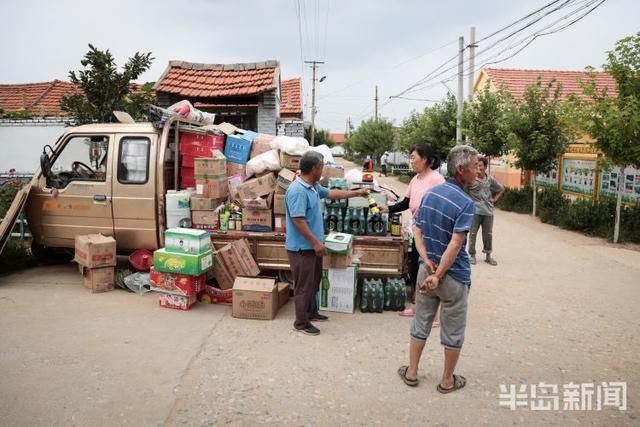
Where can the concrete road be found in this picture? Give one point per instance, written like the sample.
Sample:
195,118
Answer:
559,308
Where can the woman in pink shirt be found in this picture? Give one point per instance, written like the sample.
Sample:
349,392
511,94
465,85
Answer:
425,164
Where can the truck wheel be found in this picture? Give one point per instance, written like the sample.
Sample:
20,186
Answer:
51,256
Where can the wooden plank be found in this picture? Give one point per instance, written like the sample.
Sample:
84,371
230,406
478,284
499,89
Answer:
9,221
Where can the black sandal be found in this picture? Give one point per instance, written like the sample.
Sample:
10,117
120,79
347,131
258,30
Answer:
458,382
402,371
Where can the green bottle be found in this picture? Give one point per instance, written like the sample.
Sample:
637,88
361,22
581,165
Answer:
388,294
402,295
347,222
364,297
375,301
324,295
380,306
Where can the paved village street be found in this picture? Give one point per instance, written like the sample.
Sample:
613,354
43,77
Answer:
559,308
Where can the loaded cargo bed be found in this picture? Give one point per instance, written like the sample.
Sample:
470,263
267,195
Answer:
380,256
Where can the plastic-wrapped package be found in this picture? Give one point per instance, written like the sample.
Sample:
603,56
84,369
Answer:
325,151
188,111
269,161
295,146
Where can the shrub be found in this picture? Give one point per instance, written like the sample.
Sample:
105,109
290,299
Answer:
591,217
520,201
16,256
550,202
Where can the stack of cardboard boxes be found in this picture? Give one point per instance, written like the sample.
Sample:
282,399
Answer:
211,189
96,258
194,146
339,275
178,272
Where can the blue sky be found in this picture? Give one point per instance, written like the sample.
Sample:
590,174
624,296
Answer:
363,43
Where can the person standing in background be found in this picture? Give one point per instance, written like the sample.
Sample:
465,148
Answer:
485,192
425,164
383,163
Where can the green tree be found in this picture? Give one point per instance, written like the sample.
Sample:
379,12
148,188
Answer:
614,121
485,121
105,89
373,138
321,137
536,131
436,125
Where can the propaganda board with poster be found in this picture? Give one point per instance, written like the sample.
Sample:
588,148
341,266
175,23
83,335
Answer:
579,177
630,178
548,179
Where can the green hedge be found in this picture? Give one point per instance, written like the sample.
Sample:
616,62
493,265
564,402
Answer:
593,217
16,256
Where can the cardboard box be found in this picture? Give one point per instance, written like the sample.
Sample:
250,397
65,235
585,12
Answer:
280,223
233,260
257,220
338,260
214,165
212,295
181,263
280,190
196,145
226,128
283,294
338,289
237,149
261,144
285,178
290,161
339,243
200,203
187,240
213,187
257,187
208,218
258,203
176,284
177,302
331,171
98,280
255,298
279,204
95,250
236,169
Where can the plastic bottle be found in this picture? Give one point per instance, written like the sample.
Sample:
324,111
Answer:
373,206
380,286
364,297
375,302
324,294
402,295
396,229
347,222
388,294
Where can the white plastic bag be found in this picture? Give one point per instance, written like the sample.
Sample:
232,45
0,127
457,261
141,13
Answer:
188,111
325,151
269,161
295,146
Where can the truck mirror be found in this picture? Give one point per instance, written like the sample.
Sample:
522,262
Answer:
45,163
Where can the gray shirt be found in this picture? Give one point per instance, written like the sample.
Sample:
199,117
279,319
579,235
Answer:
482,192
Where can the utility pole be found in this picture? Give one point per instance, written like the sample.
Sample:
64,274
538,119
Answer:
460,90
376,102
313,99
472,59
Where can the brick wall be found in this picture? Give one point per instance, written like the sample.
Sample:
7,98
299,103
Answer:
291,127
268,112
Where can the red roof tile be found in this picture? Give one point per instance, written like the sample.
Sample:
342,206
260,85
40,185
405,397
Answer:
338,138
218,80
40,98
515,81
291,96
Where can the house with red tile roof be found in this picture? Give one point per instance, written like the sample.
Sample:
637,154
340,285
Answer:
40,99
291,99
580,152
246,95
338,138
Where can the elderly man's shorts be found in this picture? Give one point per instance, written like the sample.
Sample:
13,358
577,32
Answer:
452,296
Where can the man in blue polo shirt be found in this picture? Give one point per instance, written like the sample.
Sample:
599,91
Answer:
305,237
440,232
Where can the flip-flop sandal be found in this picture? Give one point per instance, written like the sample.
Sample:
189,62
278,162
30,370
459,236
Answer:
491,261
408,312
402,371
458,382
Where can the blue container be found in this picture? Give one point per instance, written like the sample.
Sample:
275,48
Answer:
237,149
249,135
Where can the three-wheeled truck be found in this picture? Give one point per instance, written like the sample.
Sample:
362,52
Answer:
113,179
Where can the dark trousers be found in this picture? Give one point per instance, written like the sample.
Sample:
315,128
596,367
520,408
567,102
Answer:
486,221
384,170
306,271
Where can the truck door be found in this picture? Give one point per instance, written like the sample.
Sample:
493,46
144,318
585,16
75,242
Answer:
76,199
134,192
